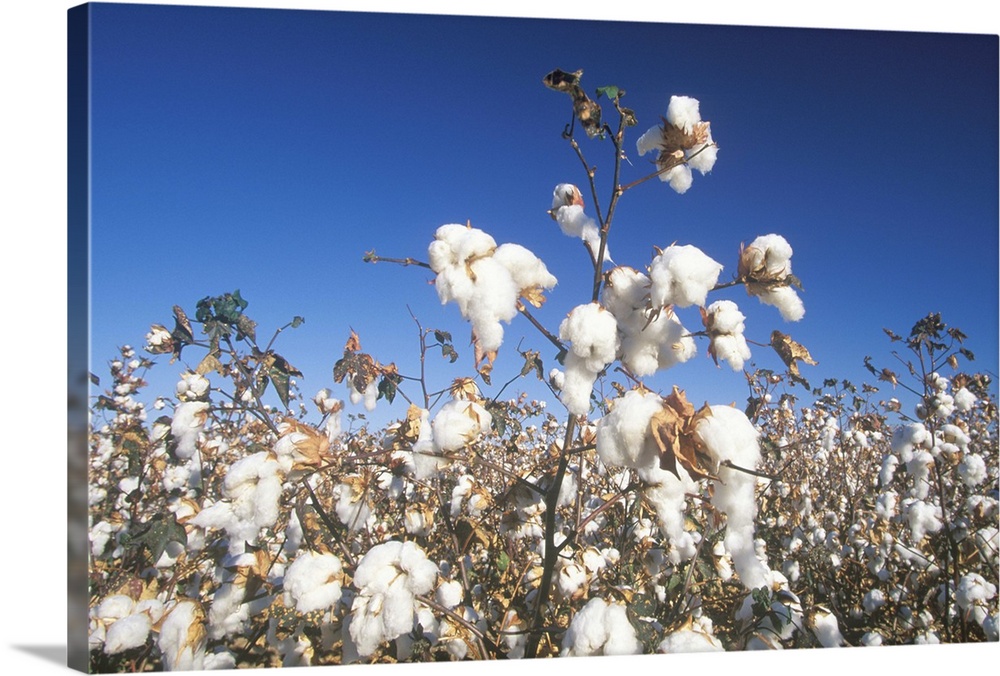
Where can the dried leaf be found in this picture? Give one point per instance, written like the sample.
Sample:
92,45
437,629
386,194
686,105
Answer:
464,388
534,295
673,429
791,352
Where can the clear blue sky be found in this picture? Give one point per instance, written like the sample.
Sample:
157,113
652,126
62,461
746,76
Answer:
267,150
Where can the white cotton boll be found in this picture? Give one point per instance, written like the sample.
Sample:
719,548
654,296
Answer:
353,507
526,269
972,470
964,400
683,113
313,581
566,194
682,276
192,386
623,438
593,334
115,607
557,379
188,421
127,633
571,580
703,160
388,577
449,594
786,300
923,518
573,221
973,589
871,638
908,437
577,386
774,253
873,600
649,142
728,435
826,629
725,325
696,639
680,178
181,642
459,422
600,628
667,494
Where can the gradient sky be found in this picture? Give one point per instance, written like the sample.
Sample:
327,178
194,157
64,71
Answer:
267,150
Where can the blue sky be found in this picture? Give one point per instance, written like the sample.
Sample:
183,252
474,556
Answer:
268,150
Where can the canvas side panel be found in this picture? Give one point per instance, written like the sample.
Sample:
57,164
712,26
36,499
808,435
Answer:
78,338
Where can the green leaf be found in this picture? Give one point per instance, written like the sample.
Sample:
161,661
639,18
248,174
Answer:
449,351
281,384
611,91
442,336
155,535
387,389
503,561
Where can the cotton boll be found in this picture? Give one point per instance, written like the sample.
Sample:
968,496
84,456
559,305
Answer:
703,160
313,581
668,495
526,269
683,113
964,400
127,633
682,276
188,421
697,637
826,629
972,470
182,638
623,438
593,334
728,435
449,594
459,422
680,178
786,300
600,628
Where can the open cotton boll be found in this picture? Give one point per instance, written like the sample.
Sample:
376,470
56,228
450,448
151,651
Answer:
388,577
449,593
972,470
600,628
182,638
646,345
313,581
773,253
683,112
698,637
682,276
459,422
525,268
593,334
667,493
787,300
964,400
188,421
725,325
728,435
826,629
623,438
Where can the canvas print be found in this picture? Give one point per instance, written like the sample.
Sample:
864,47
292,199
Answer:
419,338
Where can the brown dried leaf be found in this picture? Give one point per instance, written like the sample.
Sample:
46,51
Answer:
534,295
464,388
791,352
353,343
673,428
